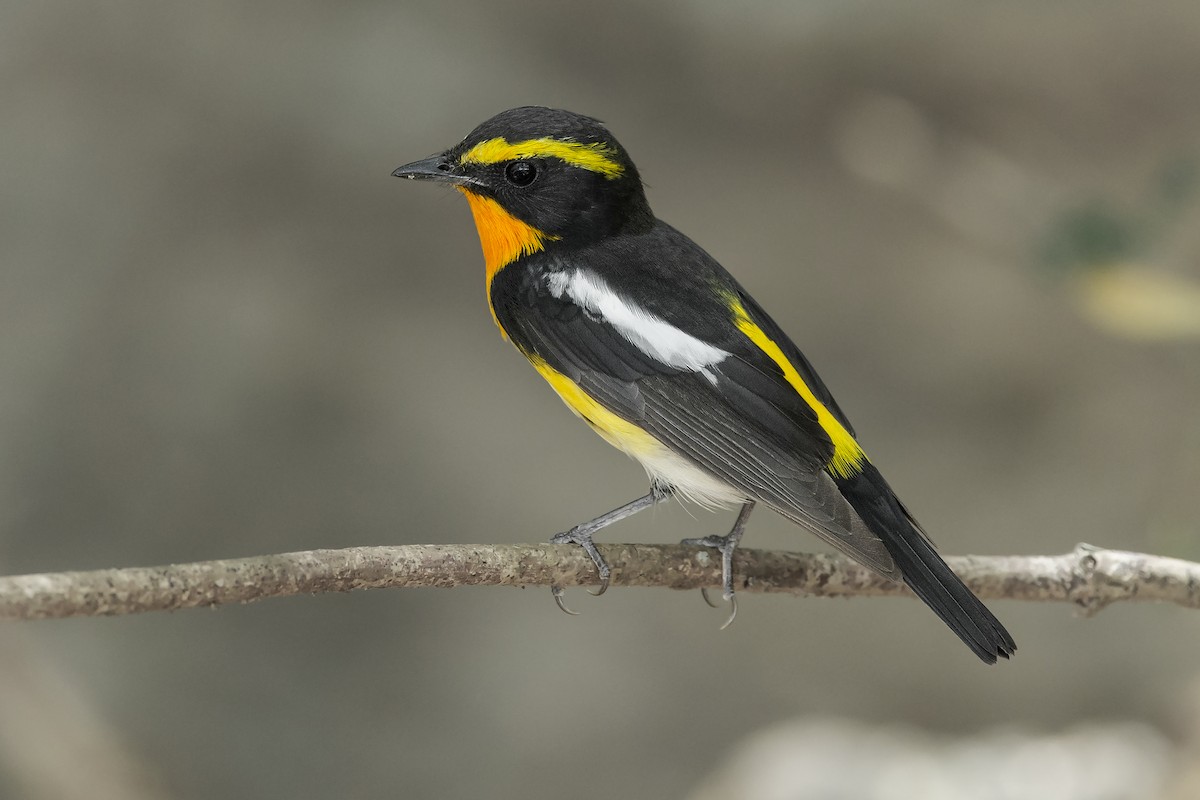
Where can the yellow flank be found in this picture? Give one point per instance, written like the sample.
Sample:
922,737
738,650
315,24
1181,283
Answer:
594,157
503,237
620,433
847,457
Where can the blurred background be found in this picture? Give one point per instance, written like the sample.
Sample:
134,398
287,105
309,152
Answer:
226,331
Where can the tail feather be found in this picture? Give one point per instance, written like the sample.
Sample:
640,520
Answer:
929,577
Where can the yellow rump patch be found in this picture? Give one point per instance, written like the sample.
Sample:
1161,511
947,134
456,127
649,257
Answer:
848,457
595,157
620,433
503,237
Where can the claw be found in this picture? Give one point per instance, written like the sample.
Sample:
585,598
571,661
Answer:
557,591
732,612
603,583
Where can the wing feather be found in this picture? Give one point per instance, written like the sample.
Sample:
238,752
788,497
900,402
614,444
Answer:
739,420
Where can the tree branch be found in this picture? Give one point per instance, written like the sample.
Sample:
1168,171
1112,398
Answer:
1088,576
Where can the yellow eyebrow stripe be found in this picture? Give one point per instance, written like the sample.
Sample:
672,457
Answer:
848,457
593,157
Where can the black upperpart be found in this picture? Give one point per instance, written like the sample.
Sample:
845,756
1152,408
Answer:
537,122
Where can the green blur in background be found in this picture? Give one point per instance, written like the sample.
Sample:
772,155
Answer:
226,331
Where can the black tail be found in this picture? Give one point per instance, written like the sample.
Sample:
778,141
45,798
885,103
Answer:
923,569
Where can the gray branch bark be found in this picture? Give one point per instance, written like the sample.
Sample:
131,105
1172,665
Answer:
1089,577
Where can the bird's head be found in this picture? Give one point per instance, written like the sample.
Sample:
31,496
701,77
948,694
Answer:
536,176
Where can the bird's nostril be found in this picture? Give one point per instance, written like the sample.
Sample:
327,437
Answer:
444,167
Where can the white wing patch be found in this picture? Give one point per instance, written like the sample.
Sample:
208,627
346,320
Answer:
647,332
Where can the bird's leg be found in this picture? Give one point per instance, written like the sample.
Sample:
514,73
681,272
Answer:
582,535
726,545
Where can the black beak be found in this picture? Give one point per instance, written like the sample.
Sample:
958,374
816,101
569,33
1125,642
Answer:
435,168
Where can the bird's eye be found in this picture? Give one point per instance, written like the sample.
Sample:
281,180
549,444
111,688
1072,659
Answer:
520,173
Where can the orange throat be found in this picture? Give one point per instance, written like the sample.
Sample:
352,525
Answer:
503,237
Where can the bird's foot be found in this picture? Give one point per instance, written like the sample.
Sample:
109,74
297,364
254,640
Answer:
725,545
582,536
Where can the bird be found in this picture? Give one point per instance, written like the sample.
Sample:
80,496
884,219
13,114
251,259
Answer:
668,358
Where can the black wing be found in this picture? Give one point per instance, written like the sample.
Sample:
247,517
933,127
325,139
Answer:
738,419
795,356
